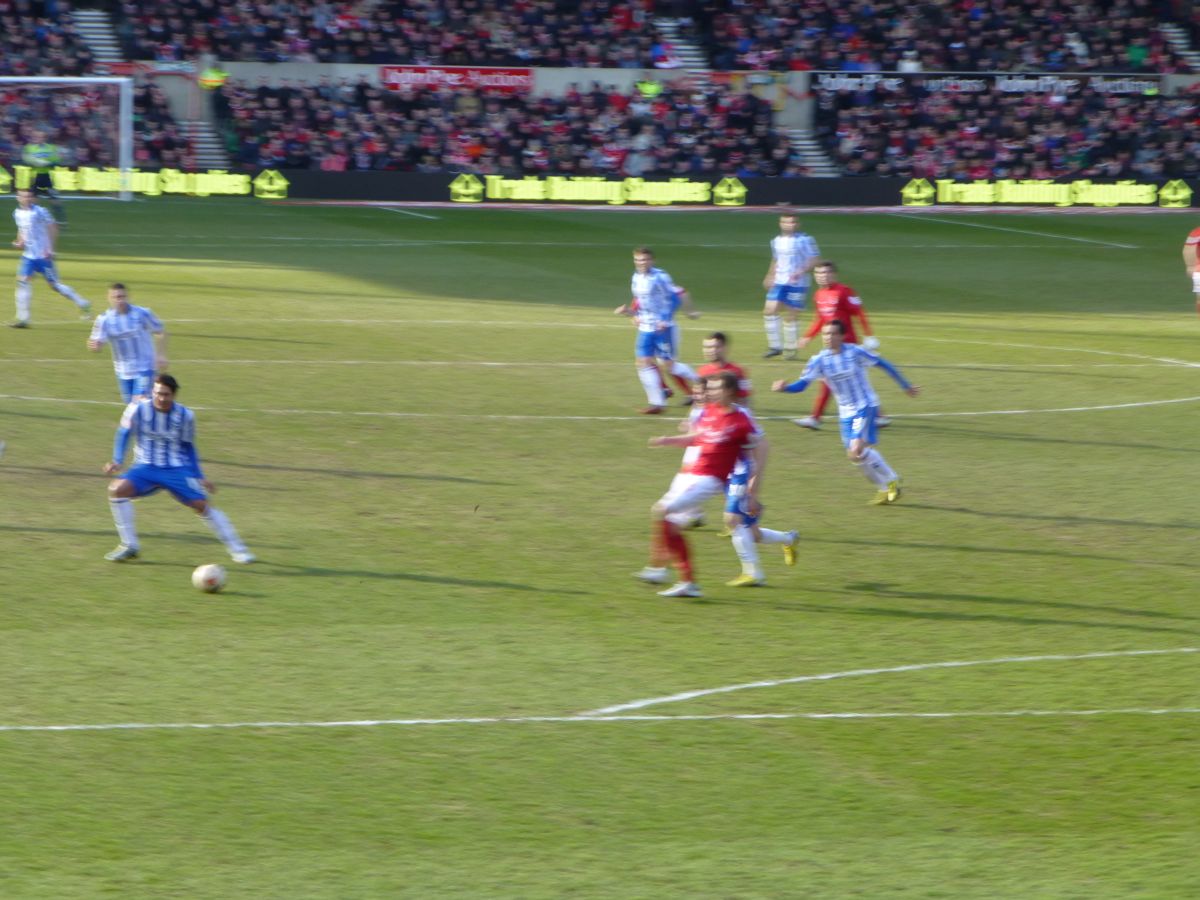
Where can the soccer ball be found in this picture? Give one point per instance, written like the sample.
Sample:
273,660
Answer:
209,578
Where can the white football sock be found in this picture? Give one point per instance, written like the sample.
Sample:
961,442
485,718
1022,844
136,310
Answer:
875,461
122,513
683,370
24,294
772,325
69,292
771,536
790,332
224,530
653,385
747,551
870,474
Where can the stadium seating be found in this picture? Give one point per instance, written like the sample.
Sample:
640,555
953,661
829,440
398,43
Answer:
992,134
345,125
591,33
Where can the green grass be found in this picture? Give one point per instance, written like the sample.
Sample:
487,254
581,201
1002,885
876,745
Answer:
451,540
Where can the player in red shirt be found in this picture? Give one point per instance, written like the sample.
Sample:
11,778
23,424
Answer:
1190,246
715,362
834,301
721,434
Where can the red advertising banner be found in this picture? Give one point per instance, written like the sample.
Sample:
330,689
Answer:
510,81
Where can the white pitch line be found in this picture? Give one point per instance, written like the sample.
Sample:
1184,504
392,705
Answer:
522,417
542,364
1046,234
574,720
407,212
860,673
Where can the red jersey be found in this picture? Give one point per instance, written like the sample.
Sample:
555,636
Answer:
1191,248
1193,238
722,435
717,368
838,302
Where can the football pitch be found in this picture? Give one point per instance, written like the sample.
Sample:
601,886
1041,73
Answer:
441,679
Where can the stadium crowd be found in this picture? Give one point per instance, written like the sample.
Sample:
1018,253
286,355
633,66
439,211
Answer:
912,131
40,40
82,124
337,126
909,35
587,33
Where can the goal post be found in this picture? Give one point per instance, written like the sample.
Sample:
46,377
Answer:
106,104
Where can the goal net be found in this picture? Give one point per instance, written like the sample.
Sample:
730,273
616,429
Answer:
80,130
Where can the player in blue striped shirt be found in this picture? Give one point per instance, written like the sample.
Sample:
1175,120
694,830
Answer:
844,368
164,458
138,342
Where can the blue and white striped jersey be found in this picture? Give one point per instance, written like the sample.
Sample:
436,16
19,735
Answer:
130,335
657,298
846,375
162,438
791,253
33,227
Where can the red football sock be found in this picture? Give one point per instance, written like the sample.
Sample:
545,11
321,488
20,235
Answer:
678,546
821,402
684,384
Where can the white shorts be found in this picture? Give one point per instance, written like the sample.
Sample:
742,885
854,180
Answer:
687,494
1196,282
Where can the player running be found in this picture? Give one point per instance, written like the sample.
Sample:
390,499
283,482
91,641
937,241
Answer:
37,235
793,254
843,367
138,340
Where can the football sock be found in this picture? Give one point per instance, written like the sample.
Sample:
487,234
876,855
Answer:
224,530
24,293
771,536
122,513
683,373
652,382
821,402
870,474
876,462
772,325
678,547
747,550
789,333
69,292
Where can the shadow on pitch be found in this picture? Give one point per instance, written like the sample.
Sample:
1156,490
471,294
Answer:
265,567
92,476
1006,371
884,591
922,425
191,335
1067,520
938,615
108,534
353,473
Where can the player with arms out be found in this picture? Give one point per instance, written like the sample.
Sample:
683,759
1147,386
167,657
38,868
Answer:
1191,264
656,299
721,433
138,340
793,254
164,458
834,301
844,367
37,236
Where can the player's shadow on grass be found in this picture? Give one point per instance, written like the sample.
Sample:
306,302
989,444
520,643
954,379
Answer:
1006,371
885,592
191,335
1066,520
31,415
272,569
969,548
97,475
924,425
201,536
354,473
